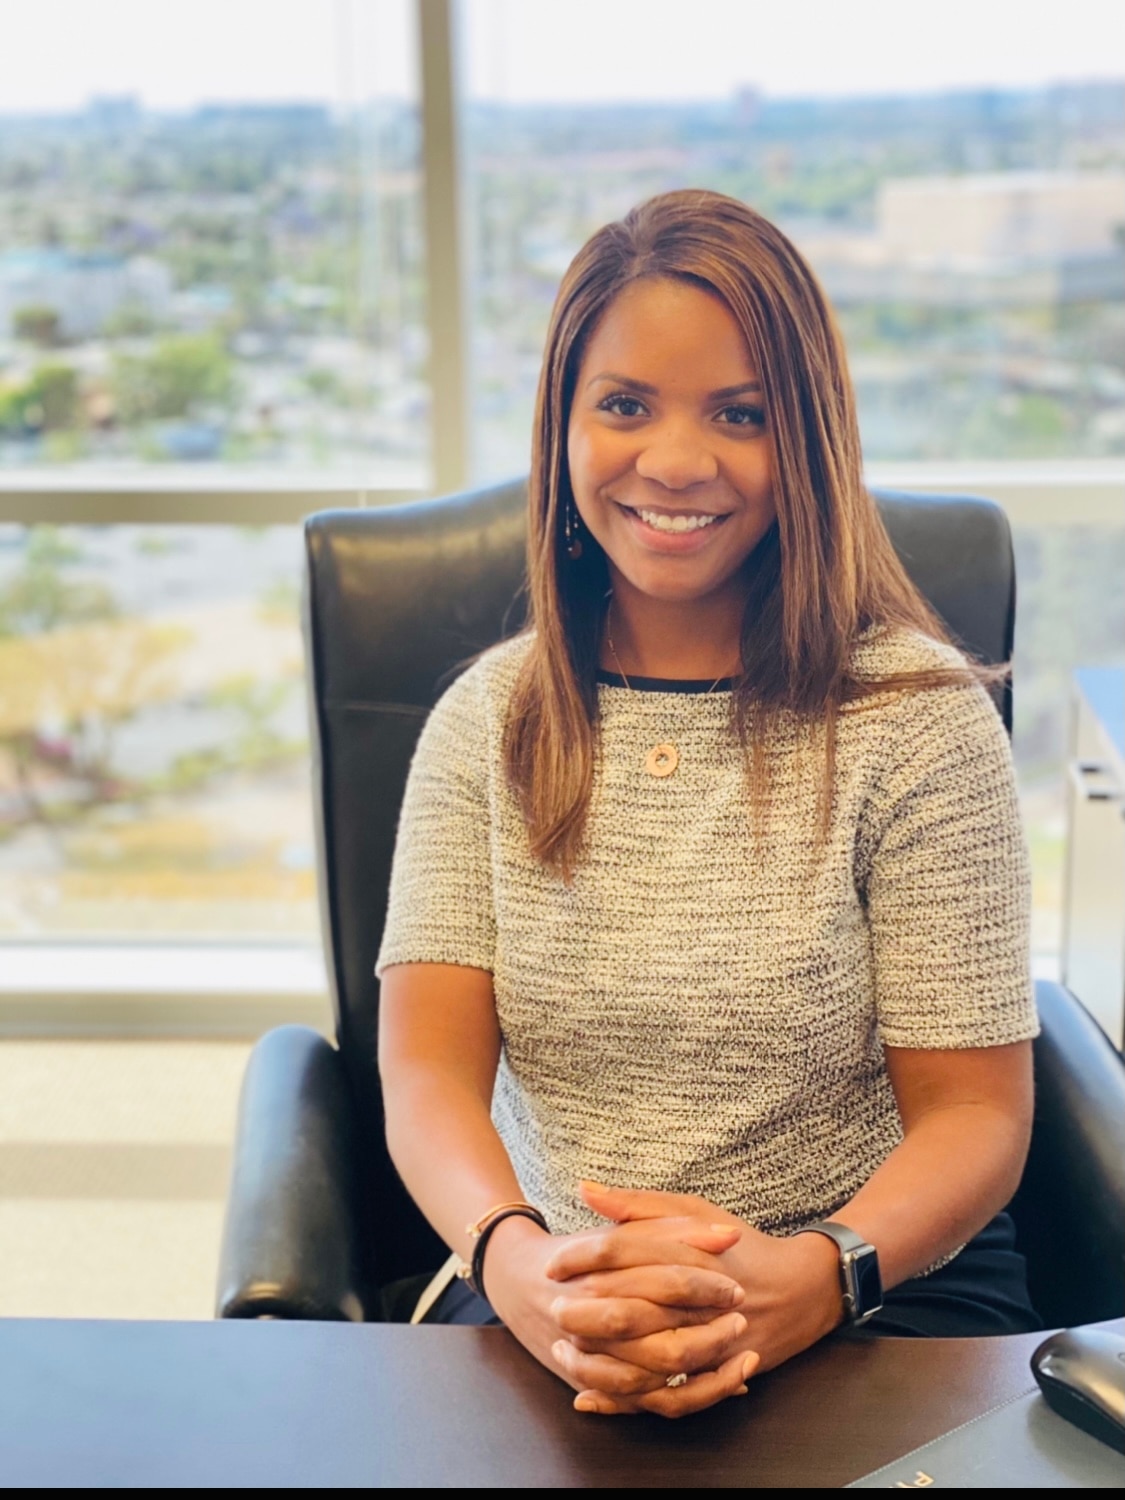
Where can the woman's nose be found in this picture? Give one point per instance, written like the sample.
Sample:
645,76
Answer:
677,458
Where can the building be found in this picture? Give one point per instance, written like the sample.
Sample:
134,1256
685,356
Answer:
1041,217
85,290
981,240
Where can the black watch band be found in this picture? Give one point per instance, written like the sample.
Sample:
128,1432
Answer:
861,1286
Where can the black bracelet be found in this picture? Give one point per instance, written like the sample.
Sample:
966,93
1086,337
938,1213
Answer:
476,1266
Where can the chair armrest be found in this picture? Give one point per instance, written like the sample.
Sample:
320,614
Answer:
1070,1209
1081,1099
292,1238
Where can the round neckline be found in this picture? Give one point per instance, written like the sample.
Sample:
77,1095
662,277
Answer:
666,684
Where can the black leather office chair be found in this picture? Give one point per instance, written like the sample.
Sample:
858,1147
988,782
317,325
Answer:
397,599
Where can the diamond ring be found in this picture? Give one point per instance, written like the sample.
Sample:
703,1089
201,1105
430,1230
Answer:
676,1380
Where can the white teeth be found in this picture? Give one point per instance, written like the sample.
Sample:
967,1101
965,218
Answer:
660,522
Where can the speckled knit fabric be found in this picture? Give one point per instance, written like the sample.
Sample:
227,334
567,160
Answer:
697,1012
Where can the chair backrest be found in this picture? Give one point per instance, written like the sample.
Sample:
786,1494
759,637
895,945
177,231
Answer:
397,600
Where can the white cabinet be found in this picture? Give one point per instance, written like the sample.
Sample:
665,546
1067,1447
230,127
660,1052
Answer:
1093,958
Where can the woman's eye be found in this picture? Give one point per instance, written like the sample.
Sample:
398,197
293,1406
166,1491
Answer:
743,416
622,406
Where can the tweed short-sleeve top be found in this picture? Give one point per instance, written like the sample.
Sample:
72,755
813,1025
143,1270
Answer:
702,1009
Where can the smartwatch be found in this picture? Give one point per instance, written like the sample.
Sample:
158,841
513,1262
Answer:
860,1283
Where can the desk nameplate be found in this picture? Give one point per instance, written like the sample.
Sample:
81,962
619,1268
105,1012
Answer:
1020,1445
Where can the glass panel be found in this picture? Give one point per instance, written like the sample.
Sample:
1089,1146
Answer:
210,243
1056,566
153,745
963,199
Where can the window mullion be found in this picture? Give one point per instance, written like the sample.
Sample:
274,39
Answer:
446,303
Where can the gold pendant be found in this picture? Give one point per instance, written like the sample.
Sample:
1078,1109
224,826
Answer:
662,760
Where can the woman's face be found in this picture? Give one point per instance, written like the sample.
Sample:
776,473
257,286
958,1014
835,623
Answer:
670,457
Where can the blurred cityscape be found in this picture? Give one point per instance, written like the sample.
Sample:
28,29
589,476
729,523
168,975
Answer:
973,245
245,285
234,284
153,742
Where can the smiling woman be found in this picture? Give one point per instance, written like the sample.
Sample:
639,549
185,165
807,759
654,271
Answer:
668,468
710,886
661,322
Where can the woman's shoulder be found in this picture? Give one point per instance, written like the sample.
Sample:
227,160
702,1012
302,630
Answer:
938,742
499,666
493,673
890,651
463,730
482,690
945,709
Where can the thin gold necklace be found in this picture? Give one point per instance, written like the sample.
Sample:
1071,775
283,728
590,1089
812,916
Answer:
662,759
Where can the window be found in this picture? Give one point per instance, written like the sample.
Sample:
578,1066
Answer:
966,217
217,312
210,240
153,748
211,277
959,187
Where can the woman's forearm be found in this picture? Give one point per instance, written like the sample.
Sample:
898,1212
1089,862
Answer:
445,1147
966,1118
955,1169
439,1046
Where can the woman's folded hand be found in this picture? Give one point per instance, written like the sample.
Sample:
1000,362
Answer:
789,1298
647,1286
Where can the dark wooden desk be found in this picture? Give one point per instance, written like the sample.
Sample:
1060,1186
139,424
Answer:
294,1404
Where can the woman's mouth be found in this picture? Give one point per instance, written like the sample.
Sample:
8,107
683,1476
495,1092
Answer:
682,521
674,530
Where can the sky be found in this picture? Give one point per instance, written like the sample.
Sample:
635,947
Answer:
178,53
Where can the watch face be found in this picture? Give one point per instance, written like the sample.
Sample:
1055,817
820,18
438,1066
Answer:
868,1283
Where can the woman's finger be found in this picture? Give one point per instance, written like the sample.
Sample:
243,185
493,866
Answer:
613,1249
714,1238
702,1391
696,1394
615,1318
673,1350
624,1204
669,1286
602,1371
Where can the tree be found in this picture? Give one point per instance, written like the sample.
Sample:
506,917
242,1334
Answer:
183,373
255,702
88,679
48,401
53,394
67,657
11,407
37,325
40,598
132,320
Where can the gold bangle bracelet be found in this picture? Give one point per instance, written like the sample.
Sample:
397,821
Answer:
481,1233
474,1231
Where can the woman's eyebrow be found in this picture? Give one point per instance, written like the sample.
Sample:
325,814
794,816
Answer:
727,391
634,385
724,393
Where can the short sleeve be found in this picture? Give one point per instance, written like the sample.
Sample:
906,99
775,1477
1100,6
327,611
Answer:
441,907
948,885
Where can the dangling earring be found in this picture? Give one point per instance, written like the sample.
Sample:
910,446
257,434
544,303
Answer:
571,524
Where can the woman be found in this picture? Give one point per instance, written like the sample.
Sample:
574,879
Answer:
708,920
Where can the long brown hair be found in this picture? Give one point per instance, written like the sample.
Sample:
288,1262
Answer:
824,572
